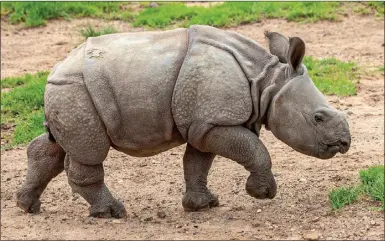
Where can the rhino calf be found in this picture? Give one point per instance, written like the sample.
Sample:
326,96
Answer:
144,93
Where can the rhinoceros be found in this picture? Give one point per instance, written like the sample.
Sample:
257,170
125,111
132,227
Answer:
145,93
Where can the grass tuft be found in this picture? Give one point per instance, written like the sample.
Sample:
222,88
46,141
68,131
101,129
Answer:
372,185
343,196
332,76
372,180
22,107
92,32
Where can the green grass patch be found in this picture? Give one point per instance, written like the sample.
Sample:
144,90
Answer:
371,185
343,196
179,14
372,180
370,8
92,32
23,106
10,82
332,76
35,14
235,13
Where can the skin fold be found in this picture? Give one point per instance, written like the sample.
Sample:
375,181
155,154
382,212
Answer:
145,93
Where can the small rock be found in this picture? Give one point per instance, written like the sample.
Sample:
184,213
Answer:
313,235
61,43
117,221
195,226
255,224
350,112
316,219
294,238
259,210
179,226
154,5
238,208
161,214
195,233
148,219
372,222
8,179
302,180
64,219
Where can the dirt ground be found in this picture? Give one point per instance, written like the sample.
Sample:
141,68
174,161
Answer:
155,184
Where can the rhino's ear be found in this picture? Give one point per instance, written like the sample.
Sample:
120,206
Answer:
278,45
296,52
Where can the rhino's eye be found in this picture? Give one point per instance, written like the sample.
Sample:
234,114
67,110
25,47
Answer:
318,117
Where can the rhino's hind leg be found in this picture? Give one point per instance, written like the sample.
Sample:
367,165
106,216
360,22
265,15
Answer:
45,161
77,127
196,167
88,181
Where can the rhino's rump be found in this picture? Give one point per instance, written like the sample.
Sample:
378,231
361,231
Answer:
130,78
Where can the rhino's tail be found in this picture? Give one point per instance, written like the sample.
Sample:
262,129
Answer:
50,136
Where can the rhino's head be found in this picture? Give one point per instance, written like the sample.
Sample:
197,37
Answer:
298,114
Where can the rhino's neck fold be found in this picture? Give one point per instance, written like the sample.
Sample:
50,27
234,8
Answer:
261,68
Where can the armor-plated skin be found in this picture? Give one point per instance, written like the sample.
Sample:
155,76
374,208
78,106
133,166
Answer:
144,93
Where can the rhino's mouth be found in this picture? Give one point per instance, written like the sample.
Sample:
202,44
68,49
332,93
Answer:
330,150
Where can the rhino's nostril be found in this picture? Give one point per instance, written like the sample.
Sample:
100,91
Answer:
344,143
344,146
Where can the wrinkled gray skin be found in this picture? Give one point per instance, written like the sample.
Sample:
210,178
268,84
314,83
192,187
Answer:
144,93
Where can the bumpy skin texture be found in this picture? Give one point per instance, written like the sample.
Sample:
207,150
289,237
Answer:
144,93
45,161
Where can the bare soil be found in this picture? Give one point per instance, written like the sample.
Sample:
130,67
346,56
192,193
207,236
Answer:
155,184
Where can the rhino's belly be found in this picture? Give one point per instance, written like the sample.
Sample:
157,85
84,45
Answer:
131,78
145,152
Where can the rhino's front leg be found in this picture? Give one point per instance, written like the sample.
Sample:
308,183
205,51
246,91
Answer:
243,146
196,167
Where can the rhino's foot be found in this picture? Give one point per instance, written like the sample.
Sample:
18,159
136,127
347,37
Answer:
28,202
112,210
261,186
195,201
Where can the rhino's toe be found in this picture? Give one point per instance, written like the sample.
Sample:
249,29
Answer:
113,210
195,201
29,203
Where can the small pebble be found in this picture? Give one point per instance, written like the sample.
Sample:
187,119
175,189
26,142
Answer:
259,210
316,219
161,214
154,5
148,219
117,221
303,180
312,235
373,222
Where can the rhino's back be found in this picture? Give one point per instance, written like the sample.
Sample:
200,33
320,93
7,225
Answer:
130,78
